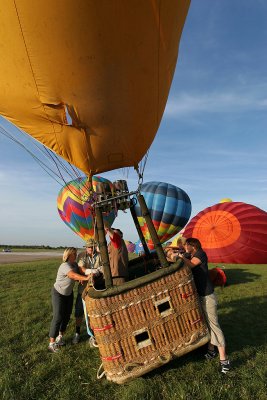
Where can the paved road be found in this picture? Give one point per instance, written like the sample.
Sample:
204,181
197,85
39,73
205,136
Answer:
17,257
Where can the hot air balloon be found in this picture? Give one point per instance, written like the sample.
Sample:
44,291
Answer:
217,276
139,249
231,232
225,200
170,209
130,246
89,79
74,208
179,236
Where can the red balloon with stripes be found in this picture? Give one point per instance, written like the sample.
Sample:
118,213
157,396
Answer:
231,232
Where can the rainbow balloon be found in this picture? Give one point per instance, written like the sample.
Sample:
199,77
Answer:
74,207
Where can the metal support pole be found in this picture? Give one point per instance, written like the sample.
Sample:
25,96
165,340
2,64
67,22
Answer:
152,231
139,230
103,247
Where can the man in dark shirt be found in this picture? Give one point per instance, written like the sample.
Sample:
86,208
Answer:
198,262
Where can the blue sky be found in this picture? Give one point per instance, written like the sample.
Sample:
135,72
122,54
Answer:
212,140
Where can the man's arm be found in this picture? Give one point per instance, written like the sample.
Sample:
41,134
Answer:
192,263
114,236
109,231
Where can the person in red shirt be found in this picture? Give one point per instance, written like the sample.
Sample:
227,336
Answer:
118,256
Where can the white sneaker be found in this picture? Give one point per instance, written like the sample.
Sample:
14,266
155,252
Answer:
76,338
53,347
60,341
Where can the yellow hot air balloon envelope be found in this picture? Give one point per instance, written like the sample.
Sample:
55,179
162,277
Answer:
89,79
225,200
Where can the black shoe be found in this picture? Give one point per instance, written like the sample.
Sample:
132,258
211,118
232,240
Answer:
210,354
225,366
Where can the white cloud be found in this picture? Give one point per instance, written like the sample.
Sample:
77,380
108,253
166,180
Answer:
185,104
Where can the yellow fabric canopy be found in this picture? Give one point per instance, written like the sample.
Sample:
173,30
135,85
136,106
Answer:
89,78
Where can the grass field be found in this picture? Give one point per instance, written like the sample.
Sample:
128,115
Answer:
29,371
33,250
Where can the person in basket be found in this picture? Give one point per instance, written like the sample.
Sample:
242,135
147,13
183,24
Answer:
118,255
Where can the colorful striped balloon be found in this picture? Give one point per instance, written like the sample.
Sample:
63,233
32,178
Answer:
231,232
74,208
169,207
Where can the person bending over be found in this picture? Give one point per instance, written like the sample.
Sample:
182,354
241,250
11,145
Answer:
198,262
62,297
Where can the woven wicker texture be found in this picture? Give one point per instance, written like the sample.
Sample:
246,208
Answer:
143,328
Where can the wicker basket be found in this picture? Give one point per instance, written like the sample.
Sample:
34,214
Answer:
145,327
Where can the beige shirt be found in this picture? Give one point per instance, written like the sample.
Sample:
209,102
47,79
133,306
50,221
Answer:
118,258
86,261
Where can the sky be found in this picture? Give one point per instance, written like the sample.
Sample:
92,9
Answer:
212,140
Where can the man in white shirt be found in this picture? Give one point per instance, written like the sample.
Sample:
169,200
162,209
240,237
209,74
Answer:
89,263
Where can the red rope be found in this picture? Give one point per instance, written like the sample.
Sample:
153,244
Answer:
111,358
196,321
186,295
105,328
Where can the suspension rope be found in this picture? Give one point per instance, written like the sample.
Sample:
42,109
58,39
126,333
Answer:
58,164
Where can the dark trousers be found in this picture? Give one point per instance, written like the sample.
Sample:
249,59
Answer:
62,308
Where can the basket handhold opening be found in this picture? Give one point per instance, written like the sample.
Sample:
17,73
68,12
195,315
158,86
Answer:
142,338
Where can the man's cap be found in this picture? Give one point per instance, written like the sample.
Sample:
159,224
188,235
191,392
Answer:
90,243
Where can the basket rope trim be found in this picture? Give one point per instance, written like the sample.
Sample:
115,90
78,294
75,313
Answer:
122,333
118,306
104,328
112,358
159,358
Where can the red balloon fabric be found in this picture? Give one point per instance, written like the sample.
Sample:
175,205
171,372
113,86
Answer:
231,232
217,276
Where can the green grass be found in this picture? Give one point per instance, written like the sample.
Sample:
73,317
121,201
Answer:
29,372
36,250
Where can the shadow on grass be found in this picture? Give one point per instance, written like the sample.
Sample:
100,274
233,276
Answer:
237,276
244,324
